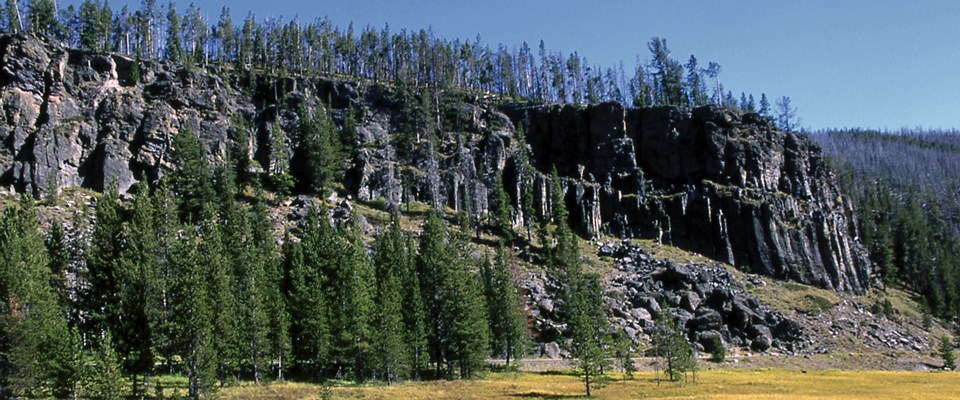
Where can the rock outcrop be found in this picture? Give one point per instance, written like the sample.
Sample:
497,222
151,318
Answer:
705,301
726,185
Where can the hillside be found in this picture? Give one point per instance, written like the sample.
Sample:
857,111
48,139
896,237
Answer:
905,187
277,195
689,178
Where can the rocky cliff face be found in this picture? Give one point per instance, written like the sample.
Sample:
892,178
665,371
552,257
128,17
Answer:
729,186
726,185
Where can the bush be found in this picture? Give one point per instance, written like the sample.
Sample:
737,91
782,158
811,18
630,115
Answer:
719,353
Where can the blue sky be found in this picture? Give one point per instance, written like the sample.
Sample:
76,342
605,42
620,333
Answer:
877,64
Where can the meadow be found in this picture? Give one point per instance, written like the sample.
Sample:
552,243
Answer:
716,384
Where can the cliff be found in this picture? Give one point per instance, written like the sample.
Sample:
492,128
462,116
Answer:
726,185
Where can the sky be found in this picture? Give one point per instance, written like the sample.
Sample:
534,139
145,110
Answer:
880,64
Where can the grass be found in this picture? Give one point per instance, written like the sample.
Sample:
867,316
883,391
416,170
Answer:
790,295
721,384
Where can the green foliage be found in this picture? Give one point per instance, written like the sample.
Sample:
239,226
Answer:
670,345
508,325
174,49
193,314
43,18
588,329
135,73
101,296
319,159
947,353
502,212
391,263
624,352
95,22
719,352
454,304
191,177
36,346
307,262
104,378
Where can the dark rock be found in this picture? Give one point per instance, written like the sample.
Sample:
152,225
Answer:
690,301
708,320
762,339
709,339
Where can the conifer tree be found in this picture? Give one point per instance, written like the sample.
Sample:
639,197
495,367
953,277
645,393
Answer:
318,155
504,305
310,329
174,50
415,313
162,279
670,345
217,274
35,343
588,329
105,378
191,177
502,211
193,315
100,297
58,249
14,22
137,265
43,18
467,343
390,264
351,289
433,266
268,291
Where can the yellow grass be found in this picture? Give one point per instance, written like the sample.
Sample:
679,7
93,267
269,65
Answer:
722,384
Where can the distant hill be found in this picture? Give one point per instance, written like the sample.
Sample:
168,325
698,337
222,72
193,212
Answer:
905,185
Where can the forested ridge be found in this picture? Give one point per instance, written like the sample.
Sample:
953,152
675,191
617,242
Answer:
905,187
415,59
187,274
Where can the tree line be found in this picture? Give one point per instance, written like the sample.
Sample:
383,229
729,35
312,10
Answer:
191,277
904,189
188,278
417,59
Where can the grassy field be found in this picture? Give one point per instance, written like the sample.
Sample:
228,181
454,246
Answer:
721,384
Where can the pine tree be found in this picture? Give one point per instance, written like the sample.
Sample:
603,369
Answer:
104,380
35,343
310,329
433,266
100,297
14,22
318,157
43,18
59,251
415,312
352,289
390,264
502,211
947,353
588,329
464,315
217,274
191,177
174,51
504,305
193,315
269,291
764,105
138,263
670,345
161,280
